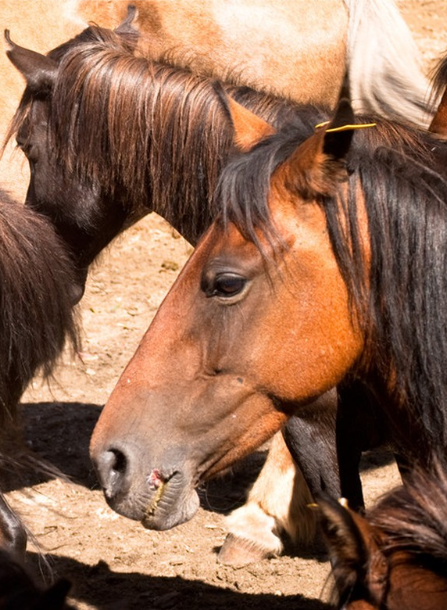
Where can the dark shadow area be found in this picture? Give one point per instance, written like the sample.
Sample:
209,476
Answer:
59,435
376,459
107,590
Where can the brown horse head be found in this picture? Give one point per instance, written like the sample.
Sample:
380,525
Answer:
396,556
303,279
211,381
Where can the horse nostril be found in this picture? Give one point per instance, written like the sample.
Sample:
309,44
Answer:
111,467
120,461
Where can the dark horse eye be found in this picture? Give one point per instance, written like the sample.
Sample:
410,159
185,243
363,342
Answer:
227,285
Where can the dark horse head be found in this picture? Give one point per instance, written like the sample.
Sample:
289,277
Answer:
396,556
76,203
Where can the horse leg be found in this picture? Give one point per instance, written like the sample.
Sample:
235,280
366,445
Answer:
360,426
349,451
12,533
276,504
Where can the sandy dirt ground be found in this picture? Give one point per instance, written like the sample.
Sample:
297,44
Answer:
113,562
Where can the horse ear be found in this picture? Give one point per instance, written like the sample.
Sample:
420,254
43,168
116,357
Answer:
126,28
319,164
249,129
39,70
351,543
439,121
337,139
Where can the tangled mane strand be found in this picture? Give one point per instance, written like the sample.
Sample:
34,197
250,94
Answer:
401,304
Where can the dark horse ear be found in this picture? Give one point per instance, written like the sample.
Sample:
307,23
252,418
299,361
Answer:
338,136
126,28
319,164
39,70
439,121
352,546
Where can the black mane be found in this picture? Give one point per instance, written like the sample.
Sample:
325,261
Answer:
413,518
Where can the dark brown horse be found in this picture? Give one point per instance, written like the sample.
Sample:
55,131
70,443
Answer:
396,556
328,262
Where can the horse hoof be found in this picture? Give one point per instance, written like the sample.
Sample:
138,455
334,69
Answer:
238,552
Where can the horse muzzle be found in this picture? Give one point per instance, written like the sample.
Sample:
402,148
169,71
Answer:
160,496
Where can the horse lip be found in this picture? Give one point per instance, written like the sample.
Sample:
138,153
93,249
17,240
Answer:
158,483
172,503
152,507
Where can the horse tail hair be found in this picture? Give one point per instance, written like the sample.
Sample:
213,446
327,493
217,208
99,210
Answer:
385,72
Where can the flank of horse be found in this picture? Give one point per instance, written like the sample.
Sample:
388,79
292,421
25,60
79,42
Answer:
328,262
239,43
396,556
37,320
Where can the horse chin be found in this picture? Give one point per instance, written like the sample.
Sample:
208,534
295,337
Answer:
162,508
169,508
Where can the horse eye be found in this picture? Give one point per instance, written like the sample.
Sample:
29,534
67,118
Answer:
227,285
30,150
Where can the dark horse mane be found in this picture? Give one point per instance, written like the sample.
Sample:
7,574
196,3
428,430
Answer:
177,131
413,518
401,304
36,312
